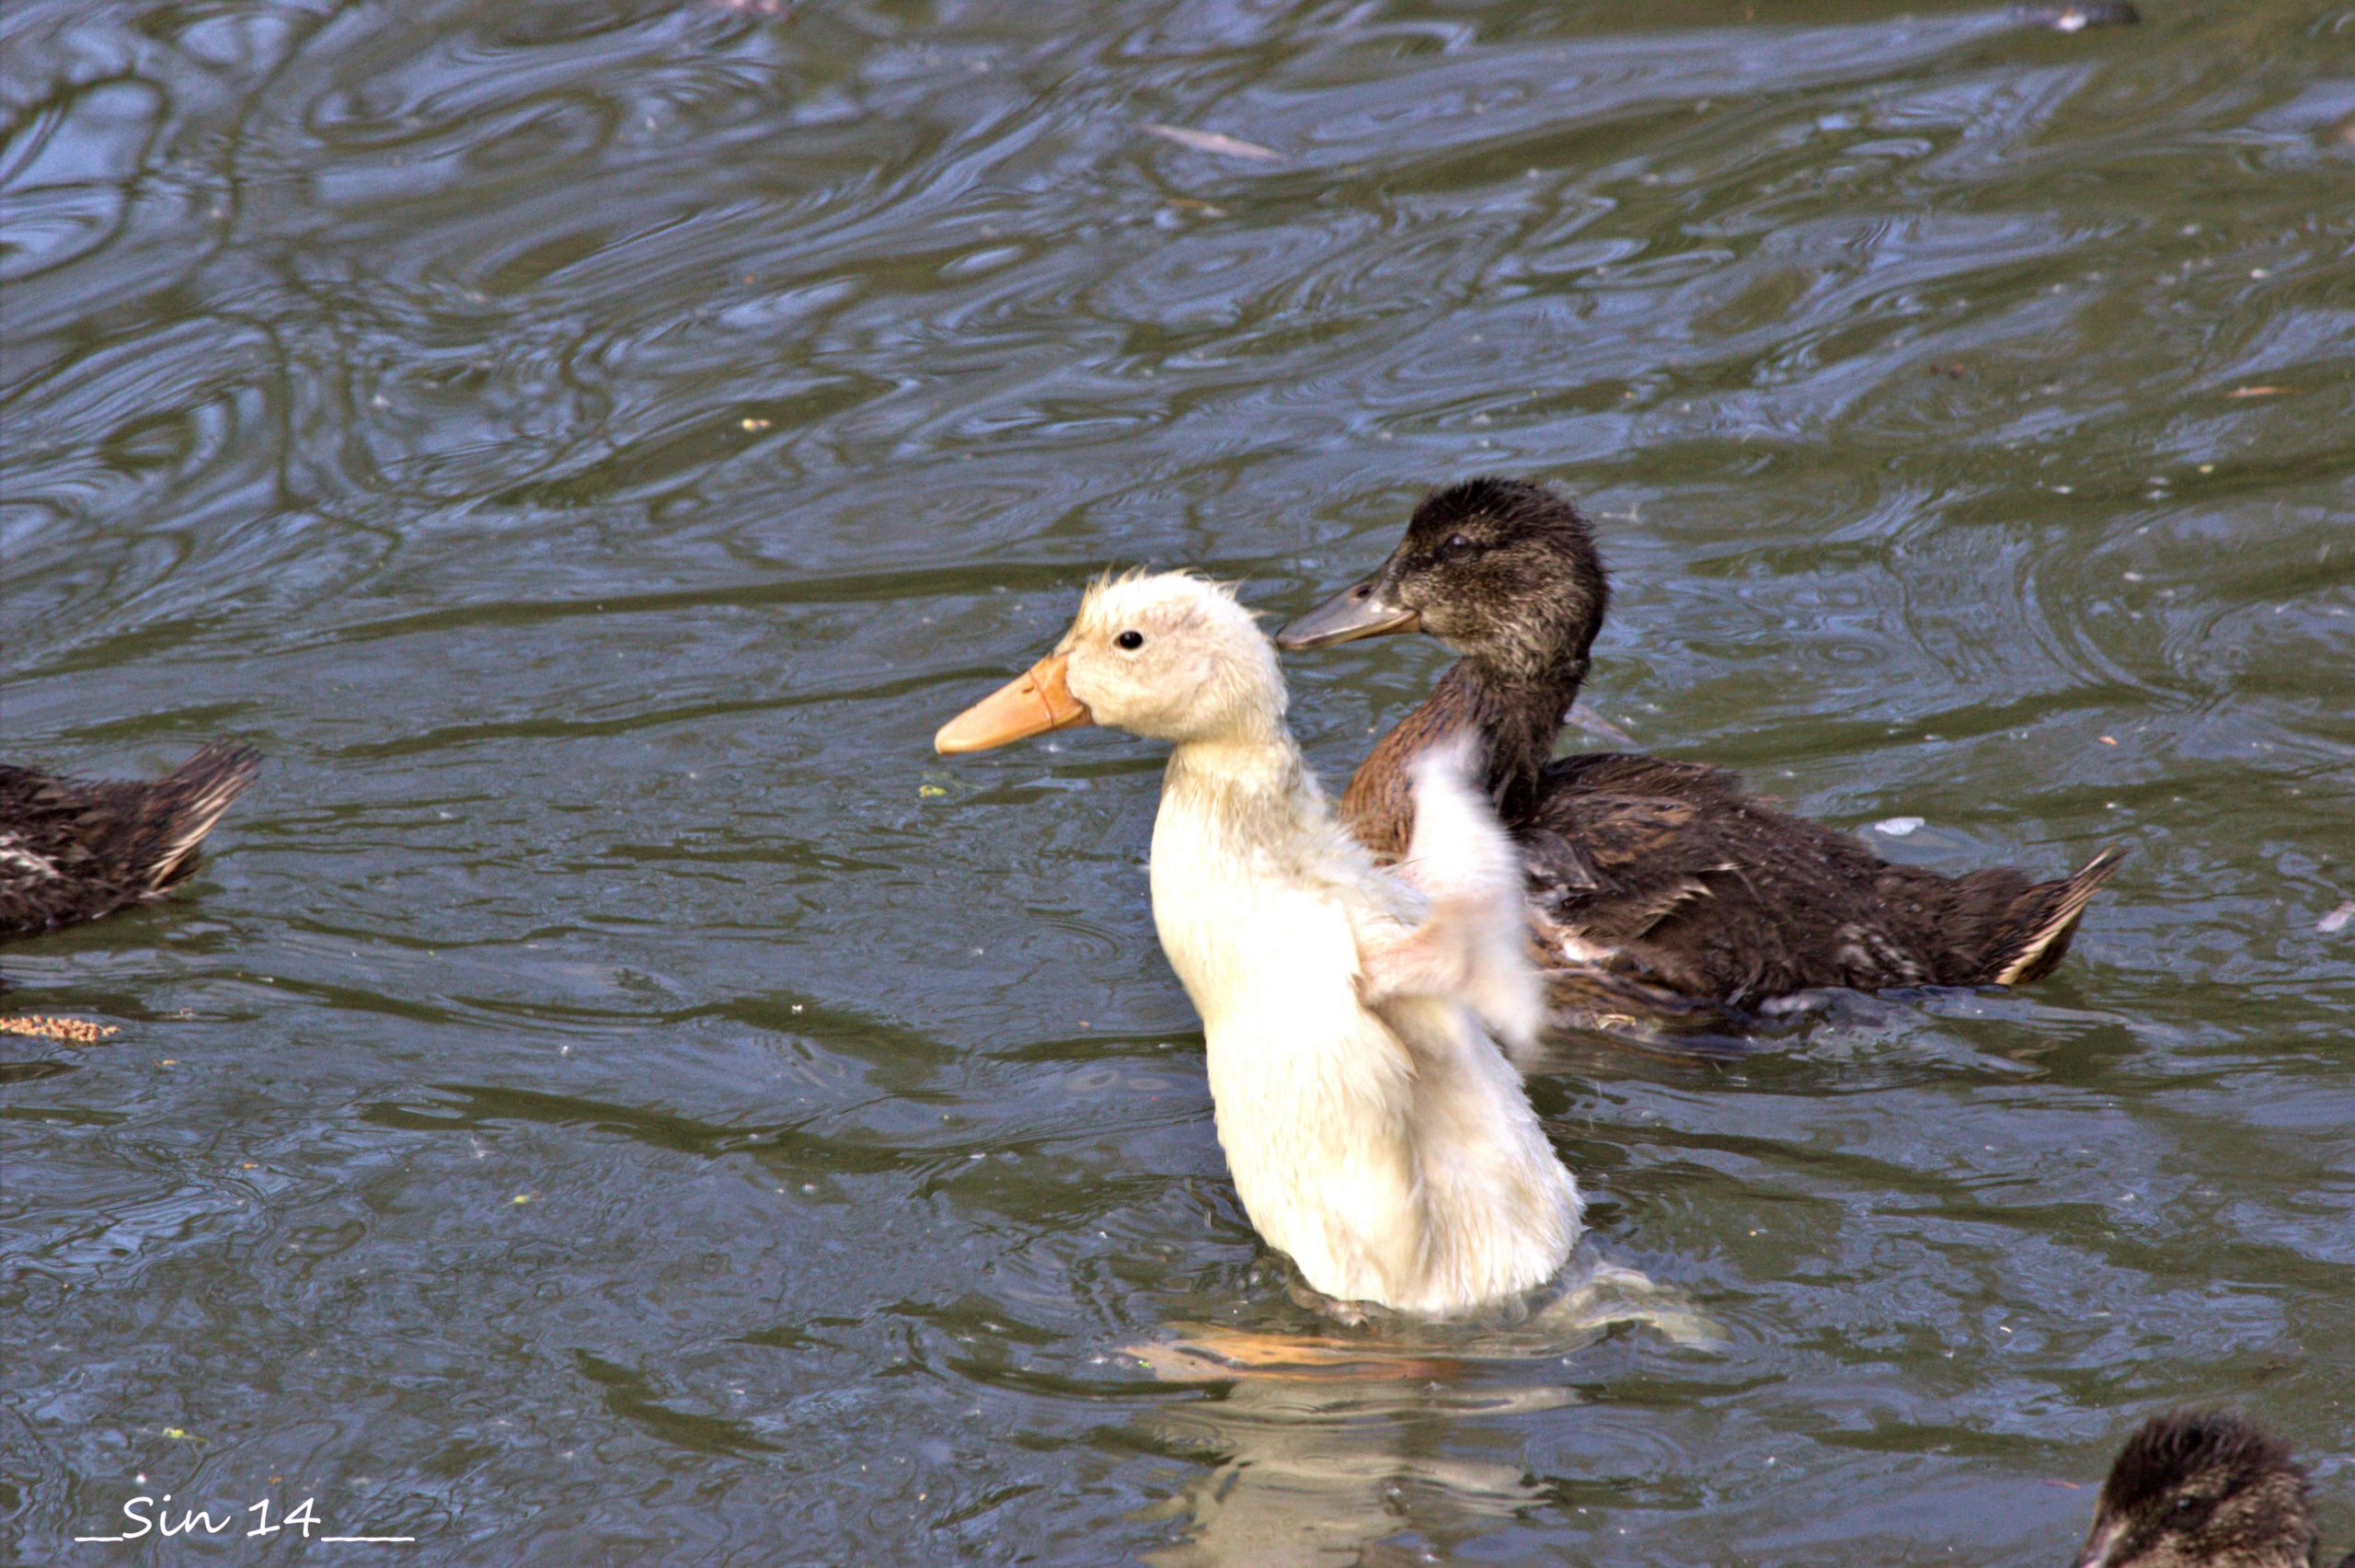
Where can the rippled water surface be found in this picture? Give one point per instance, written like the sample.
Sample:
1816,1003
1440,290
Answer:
616,1097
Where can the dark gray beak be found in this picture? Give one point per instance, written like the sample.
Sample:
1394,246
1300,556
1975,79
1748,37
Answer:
1355,613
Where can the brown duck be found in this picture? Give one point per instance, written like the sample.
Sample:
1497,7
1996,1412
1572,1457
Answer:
74,850
1652,884
2203,1488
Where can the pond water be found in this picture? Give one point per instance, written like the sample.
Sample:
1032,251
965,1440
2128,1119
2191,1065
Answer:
615,1096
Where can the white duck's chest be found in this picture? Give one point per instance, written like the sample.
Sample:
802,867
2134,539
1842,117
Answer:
1240,936
1307,1087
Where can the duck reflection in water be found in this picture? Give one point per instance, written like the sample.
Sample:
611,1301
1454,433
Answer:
1387,1444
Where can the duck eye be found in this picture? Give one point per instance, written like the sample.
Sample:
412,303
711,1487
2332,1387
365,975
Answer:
1131,640
1457,544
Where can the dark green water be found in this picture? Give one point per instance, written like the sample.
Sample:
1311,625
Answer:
616,1097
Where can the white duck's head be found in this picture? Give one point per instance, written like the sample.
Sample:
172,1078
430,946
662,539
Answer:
1171,657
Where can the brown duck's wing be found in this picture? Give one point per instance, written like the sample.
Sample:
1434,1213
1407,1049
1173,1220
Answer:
1721,896
1632,828
1650,883
1616,843
75,849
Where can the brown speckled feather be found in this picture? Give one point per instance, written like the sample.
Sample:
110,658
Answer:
74,850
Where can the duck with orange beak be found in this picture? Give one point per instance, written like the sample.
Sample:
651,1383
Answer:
1351,1016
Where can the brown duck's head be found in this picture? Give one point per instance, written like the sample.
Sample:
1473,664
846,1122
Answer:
2201,1488
1504,572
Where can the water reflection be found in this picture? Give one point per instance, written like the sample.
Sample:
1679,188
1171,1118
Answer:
1289,1474
1335,1443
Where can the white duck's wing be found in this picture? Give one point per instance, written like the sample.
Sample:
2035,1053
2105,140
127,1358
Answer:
1472,945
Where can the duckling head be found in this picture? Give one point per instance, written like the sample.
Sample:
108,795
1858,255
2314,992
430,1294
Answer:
1501,571
2201,1488
1169,656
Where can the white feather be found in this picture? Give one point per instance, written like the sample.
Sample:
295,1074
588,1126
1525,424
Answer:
1474,944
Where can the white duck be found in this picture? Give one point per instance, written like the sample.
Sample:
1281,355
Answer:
1375,1131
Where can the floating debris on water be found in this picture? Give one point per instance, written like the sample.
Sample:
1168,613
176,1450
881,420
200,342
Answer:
1898,826
1213,141
2338,919
2077,18
73,1031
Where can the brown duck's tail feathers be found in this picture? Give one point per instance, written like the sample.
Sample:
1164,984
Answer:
2052,914
185,805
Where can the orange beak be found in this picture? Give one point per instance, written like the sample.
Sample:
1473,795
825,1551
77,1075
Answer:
1033,705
